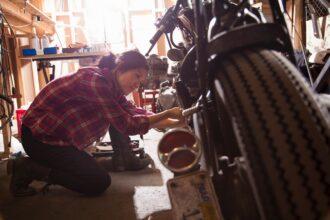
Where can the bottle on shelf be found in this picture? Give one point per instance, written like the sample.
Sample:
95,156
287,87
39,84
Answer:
34,40
44,42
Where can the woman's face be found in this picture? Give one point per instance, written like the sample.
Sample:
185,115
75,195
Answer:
131,79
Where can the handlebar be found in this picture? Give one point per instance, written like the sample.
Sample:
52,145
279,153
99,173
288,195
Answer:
191,110
165,25
157,35
177,5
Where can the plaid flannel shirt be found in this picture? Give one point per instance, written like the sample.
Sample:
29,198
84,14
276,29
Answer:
78,108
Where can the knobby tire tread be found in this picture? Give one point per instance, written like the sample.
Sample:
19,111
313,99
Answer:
284,134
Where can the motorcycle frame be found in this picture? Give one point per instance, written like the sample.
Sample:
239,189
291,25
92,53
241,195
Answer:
209,50
274,36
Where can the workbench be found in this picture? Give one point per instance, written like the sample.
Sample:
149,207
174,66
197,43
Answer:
43,61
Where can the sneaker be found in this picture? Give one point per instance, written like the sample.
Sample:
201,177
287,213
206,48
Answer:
20,179
117,163
24,171
134,163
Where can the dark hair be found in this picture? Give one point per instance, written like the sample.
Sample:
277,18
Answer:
131,59
108,61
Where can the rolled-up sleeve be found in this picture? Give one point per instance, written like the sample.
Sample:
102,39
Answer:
100,93
122,100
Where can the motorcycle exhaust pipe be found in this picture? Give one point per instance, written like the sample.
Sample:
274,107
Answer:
179,150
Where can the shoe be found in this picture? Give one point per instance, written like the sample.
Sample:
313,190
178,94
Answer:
119,163
24,171
20,179
134,163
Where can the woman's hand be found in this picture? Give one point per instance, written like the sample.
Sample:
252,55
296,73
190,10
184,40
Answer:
175,113
169,118
181,123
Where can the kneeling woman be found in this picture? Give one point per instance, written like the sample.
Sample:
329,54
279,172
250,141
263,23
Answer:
72,112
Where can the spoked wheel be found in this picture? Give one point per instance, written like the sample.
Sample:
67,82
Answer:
282,133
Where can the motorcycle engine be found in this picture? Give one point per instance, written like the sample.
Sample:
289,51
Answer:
157,71
188,88
167,96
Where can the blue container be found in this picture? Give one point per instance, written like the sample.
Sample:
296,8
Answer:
29,52
50,50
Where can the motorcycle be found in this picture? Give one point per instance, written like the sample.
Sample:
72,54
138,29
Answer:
159,79
257,146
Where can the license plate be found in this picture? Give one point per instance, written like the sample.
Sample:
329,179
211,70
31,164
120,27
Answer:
193,197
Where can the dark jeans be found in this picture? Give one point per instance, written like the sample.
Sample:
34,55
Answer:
70,167
119,141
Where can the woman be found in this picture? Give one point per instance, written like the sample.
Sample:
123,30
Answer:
72,112
123,157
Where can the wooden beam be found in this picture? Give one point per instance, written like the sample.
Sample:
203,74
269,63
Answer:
23,21
161,43
299,33
12,9
18,35
16,68
26,27
44,28
5,130
33,10
6,143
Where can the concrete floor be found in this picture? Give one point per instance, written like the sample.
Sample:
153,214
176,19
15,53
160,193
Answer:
132,195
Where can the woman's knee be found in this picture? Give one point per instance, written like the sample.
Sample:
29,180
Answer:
97,184
104,182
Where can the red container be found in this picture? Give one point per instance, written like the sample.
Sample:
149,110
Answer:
19,115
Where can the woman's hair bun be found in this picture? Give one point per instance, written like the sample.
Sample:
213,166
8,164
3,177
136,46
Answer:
108,61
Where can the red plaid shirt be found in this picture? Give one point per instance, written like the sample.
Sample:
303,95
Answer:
78,108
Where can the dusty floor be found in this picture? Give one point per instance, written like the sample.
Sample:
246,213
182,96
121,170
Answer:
132,195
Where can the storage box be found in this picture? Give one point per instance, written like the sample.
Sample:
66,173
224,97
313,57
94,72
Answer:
50,50
19,115
70,50
29,52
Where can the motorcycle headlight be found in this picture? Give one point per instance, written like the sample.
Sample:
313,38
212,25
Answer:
179,150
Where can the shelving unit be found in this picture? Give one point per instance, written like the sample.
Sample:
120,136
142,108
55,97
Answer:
28,6
21,14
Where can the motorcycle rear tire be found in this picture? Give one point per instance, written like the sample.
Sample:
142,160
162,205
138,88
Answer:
282,131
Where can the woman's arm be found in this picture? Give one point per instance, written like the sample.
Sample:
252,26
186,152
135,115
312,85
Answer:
170,114
99,93
133,109
169,123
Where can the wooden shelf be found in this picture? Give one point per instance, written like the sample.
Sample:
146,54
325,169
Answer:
23,21
12,9
64,56
41,27
27,6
